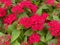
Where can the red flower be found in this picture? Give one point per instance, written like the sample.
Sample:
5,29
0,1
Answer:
26,0
58,5
44,15
28,5
9,36
7,3
7,43
9,19
25,4
33,8
34,38
49,2
17,9
37,22
54,28
2,12
26,44
25,21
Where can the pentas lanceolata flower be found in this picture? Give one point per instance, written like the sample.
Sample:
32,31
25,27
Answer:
9,19
36,22
17,9
25,4
7,43
28,5
25,21
7,3
58,5
2,12
54,28
33,8
44,15
34,38
26,0
50,2
29,22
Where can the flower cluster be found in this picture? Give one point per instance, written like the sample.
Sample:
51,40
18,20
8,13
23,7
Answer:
2,12
50,2
29,5
36,22
9,19
34,38
58,5
54,28
7,3
17,9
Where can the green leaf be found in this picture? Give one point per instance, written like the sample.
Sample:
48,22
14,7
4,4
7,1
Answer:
12,27
50,9
28,32
40,43
56,18
41,33
48,36
15,23
1,24
43,39
13,1
22,15
15,43
50,17
15,35
44,6
1,34
54,41
55,15
39,11
25,38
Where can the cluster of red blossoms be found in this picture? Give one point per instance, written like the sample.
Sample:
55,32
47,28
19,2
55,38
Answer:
54,27
6,3
35,22
34,38
17,9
